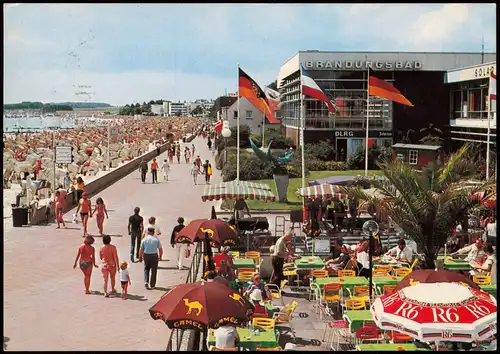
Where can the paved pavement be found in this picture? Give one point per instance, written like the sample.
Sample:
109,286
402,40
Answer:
45,307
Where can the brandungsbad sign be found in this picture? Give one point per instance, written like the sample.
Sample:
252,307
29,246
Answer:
363,64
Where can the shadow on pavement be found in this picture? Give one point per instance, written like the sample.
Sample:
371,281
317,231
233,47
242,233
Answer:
171,268
118,296
161,288
105,234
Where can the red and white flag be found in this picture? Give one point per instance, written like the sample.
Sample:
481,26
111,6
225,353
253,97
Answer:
493,87
218,125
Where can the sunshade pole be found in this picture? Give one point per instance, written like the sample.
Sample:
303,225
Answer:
238,129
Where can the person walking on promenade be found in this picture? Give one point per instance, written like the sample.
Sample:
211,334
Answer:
150,250
158,147
80,186
198,163
165,169
178,154
194,172
58,209
180,246
135,230
86,254
209,144
110,263
100,210
144,170
154,171
193,149
171,153
67,182
85,209
152,223
187,154
207,170
125,280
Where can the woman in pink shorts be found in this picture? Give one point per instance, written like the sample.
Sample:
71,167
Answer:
86,254
109,257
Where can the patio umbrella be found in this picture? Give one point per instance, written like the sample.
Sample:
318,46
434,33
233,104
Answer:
243,183
438,312
213,215
208,257
200,305
435,276
219,233
322,191
235,191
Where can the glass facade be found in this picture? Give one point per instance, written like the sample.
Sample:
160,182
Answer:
469,100
348,91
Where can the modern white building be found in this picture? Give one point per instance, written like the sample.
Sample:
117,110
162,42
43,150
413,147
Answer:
249,115
469,104
157,109
178,109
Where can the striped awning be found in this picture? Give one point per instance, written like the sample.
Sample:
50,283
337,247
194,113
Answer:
322,191
234,191
243,183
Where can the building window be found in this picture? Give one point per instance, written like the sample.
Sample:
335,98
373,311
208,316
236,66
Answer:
249,114
235,114
413,157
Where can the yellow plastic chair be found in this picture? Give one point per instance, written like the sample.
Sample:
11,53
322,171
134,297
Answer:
215,349
354,304
234,254
346,273
285,315
319,273
244,276
360,293
253,255
242,270
275,291
387,268
481,279
275,349
389,288
265,323
380,273
402,272
415,261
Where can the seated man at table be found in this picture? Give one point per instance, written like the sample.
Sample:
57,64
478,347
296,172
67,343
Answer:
401,252
489,267
225,271
363,260
226,337
258,285
334,265
473,251
224,255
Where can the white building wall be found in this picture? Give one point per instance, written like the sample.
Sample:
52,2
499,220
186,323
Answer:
249,115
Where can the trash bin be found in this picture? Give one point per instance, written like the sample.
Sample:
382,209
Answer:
19,217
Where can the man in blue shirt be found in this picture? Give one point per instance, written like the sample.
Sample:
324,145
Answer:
151,251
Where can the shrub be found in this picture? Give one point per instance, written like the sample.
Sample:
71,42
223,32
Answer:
251,167
244,135
280,141
357,160
317,165
322,150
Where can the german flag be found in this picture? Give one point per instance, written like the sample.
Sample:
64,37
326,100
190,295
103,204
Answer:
383,89
249,89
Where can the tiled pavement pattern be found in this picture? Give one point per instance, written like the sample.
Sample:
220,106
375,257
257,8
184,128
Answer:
45,307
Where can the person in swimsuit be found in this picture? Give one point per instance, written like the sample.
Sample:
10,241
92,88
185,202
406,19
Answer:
85,208
86,254
80,186
110,263
187,154
154,171
193,149
100,210
178,154
171,155
58,206
194,172
125,280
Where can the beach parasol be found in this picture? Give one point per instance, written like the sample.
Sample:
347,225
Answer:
200,305
435,276
236,191
438,312
322,191
219,233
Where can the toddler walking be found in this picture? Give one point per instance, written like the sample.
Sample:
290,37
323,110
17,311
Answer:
124,279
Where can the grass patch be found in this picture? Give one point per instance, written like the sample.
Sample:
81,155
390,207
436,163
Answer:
295,183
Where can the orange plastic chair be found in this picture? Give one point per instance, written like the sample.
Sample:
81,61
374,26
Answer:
380,273
346,273
389,288
215,349
402,272
387,268
331,292
265,323
481,279
399,337
354,304
253,255
275,349
360,292
240,270
319,273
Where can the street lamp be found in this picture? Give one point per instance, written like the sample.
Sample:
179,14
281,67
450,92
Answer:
371,229
226,133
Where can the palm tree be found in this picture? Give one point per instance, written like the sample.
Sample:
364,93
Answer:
426,205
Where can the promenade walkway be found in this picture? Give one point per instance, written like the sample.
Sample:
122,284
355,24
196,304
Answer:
45,307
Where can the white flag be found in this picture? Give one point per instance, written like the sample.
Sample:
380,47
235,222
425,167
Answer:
493,87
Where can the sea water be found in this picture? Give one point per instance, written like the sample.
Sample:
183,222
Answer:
35,124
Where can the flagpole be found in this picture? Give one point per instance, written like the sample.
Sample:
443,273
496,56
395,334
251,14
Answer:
367,120
302,151
263,128
238,130
488,137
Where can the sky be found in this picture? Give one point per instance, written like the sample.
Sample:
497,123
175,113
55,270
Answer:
126,53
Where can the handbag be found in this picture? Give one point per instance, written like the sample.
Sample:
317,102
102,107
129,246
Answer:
75,219
209,170
188,252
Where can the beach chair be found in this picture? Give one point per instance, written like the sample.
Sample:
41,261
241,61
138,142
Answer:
481,279
265,323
